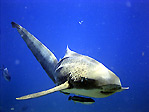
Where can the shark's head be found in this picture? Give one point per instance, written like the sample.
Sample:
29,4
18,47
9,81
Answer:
86,76
99,82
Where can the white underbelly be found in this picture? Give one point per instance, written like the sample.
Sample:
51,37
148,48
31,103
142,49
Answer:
96,93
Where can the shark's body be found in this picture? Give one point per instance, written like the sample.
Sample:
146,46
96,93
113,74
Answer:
74,73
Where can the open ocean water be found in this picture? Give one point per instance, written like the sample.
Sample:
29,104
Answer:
114,32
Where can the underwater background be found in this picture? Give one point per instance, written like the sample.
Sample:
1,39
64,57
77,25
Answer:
114,32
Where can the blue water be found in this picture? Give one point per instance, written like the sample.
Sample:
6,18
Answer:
113,32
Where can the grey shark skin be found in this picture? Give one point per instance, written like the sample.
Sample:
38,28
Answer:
74,73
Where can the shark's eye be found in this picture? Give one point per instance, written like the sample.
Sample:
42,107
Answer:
82,79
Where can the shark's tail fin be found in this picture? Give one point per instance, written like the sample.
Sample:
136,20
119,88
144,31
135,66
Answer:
44,56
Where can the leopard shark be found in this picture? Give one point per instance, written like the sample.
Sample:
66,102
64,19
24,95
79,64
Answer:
74,73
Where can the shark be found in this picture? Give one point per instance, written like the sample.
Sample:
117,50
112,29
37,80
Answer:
75,73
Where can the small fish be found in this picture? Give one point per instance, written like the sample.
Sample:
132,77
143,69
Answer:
5,73
82,100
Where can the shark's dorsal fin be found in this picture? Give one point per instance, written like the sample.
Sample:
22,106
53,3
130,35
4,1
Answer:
70,53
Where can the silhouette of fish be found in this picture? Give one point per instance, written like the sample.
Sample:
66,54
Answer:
83,100
5,73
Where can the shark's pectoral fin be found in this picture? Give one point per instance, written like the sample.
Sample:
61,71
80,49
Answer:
44,56
122,89
125,88
42,93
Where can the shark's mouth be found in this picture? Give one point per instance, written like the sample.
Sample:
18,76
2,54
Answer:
106,92
110,89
